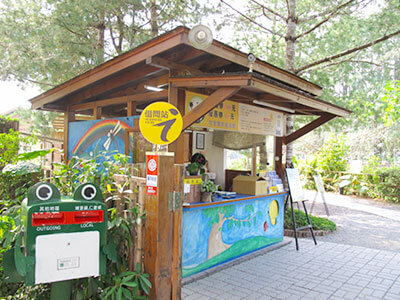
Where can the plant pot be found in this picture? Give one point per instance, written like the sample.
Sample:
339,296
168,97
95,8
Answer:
206,196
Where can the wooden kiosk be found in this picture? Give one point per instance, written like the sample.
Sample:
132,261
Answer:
165,69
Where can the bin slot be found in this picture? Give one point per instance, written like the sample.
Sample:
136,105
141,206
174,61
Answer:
91,216
48,218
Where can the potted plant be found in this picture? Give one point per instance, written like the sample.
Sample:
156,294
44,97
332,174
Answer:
196,168
197,164
208,187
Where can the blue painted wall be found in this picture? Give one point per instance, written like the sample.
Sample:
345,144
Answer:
87,138
239,228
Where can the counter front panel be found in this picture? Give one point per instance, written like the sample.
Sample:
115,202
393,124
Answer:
221,231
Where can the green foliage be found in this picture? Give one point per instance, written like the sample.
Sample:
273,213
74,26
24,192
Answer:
196,168
386,183
83,34
208,186
301,220
15,181
9,147
7,123
33,154
328,161
117,283
127,286
391,102
99,169
40,122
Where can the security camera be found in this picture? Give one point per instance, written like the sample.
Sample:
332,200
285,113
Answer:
251,58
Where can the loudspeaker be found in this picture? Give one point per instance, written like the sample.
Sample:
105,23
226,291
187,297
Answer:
200,37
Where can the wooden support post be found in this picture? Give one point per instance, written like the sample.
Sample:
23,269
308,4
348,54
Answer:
131,109
159,230
69,116
177,243
97,112
177,98
278,158
254,161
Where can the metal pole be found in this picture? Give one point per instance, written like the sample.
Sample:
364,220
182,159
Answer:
61,290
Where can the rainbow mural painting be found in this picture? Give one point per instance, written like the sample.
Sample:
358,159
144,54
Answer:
88,138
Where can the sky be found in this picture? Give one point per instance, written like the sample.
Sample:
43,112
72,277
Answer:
13,96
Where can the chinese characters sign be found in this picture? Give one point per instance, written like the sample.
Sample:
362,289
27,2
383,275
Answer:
224,116
160,123
239,117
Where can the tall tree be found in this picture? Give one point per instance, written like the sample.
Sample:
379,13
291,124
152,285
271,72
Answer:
312,35
49,41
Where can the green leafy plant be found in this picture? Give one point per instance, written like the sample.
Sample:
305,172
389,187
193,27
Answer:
127,286
328,161
301,220
123,214
196,168
208,186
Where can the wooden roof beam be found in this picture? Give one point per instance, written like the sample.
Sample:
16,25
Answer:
211,81
233,55
299,98
170,65
208,104
149,96
307,128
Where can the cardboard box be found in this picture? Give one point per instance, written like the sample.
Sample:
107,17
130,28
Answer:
250,185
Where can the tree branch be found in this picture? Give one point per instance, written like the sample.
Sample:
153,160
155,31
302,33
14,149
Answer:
40,82
327,12
248,219
342,61
252,21
346,52
334,12
269,10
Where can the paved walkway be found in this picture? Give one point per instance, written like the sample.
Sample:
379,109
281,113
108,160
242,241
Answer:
361,222
325,271
361,260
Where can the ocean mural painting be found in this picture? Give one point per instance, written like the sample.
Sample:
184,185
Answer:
90,138
221,232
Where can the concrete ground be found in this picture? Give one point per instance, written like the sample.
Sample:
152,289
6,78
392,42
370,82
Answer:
361,260
360,222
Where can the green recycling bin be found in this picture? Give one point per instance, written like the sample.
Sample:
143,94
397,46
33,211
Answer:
63,237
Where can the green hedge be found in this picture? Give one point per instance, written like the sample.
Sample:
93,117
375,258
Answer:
301,220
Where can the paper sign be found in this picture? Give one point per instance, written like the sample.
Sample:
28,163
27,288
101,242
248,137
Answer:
152,175
295,188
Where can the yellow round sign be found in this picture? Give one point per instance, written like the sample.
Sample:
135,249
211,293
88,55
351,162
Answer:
161,123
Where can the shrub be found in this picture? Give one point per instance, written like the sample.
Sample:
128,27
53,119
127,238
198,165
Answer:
301,220
328,161
388,187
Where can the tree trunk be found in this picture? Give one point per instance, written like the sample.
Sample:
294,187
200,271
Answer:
153,20
290,56
215,243
100,39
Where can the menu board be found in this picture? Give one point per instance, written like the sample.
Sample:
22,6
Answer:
294,183
239,117
253,119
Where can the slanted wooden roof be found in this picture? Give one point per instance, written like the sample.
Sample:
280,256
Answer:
170,59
